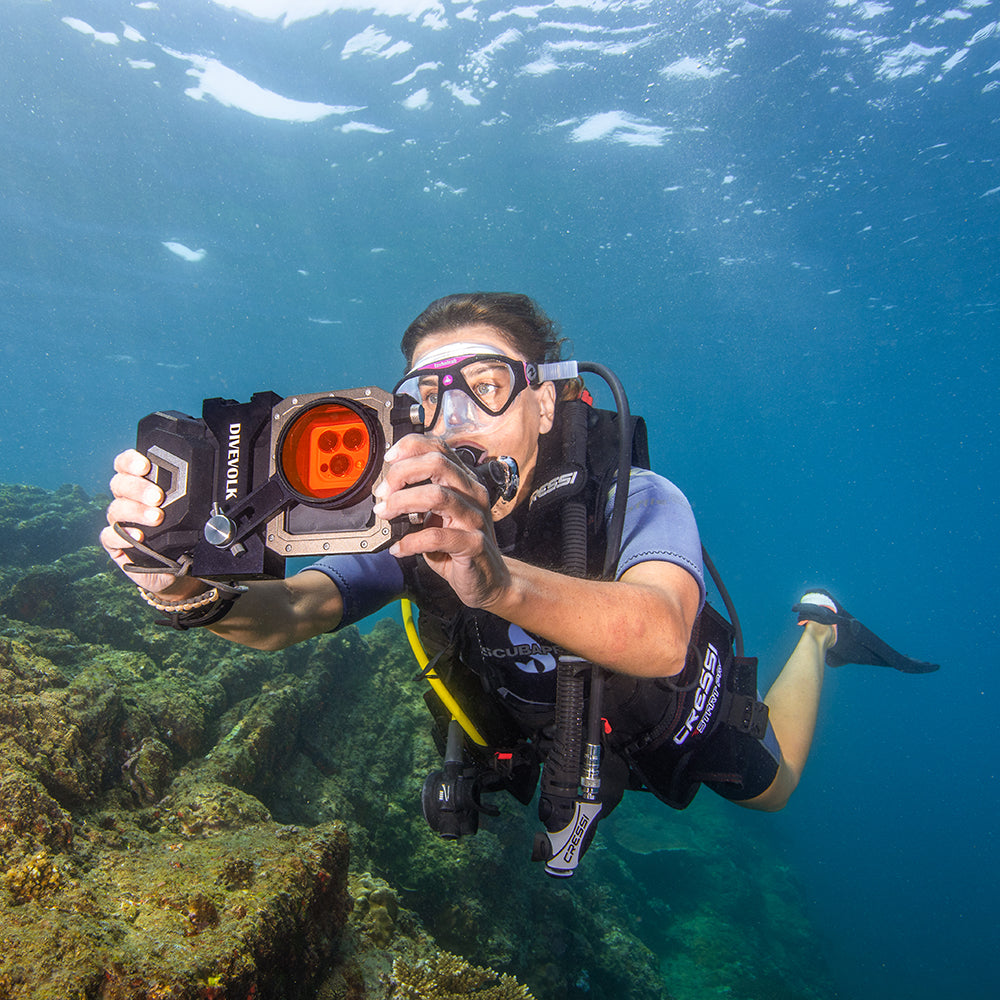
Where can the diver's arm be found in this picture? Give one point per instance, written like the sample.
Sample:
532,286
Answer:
273,614
640,624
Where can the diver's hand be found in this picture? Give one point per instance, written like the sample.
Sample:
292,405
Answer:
424,476
138,501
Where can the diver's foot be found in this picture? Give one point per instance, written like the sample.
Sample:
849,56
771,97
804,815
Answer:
854,643
817,610
817,606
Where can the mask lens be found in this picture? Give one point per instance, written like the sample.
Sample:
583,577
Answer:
325,451
491,383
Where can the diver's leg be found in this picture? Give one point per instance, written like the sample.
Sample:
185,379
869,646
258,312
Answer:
793,703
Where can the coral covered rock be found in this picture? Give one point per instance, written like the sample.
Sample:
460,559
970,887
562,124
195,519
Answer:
444,976
165,919
37,526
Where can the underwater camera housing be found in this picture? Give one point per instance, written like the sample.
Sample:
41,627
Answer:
250,484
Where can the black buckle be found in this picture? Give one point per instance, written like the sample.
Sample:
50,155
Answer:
748,715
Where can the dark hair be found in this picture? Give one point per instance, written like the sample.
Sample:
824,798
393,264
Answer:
516,316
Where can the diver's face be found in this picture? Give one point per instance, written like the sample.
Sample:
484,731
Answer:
460,421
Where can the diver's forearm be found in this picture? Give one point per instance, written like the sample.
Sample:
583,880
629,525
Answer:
274,614
632,627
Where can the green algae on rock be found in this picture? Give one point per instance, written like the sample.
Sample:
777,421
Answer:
155,921
37,526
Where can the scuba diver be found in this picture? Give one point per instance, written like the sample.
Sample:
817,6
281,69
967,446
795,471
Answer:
566,618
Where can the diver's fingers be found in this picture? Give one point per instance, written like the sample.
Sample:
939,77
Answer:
416,457
125,486
155,583
114,544
455,542
133,511
452,506
430,466
414,444
132,462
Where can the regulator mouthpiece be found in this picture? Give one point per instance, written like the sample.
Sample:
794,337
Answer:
500,476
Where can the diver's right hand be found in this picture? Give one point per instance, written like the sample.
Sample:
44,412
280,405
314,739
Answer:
138,501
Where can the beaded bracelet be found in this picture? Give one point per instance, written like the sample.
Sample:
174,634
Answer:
173,607
216,603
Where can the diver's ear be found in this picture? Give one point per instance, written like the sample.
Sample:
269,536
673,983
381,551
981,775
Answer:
546,406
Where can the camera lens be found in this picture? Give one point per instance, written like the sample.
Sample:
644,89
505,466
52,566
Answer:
329,440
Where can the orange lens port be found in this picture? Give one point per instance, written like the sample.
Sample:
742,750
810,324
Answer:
325,451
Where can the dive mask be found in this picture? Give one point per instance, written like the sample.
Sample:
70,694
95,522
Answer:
465,386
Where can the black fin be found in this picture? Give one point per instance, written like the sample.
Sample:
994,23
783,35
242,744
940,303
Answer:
858,644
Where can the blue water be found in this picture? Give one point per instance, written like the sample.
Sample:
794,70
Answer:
779,223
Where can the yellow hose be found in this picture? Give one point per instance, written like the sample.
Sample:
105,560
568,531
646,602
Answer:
435,682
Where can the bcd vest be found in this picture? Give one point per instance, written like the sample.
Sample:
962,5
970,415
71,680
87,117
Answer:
504,677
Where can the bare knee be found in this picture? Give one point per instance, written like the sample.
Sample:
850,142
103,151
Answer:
765,803
775,797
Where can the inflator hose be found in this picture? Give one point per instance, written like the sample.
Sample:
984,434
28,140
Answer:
565,771
561,772
612,548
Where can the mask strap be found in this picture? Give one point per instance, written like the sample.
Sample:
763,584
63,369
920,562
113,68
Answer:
554,371
453,352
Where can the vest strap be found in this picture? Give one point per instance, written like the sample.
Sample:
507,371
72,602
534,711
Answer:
748,715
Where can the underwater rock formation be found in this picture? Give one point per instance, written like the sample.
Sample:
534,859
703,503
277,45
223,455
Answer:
37,526
167,919
448,977
177,816
109,888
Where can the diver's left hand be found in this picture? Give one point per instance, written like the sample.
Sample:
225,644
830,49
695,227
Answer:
424,476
